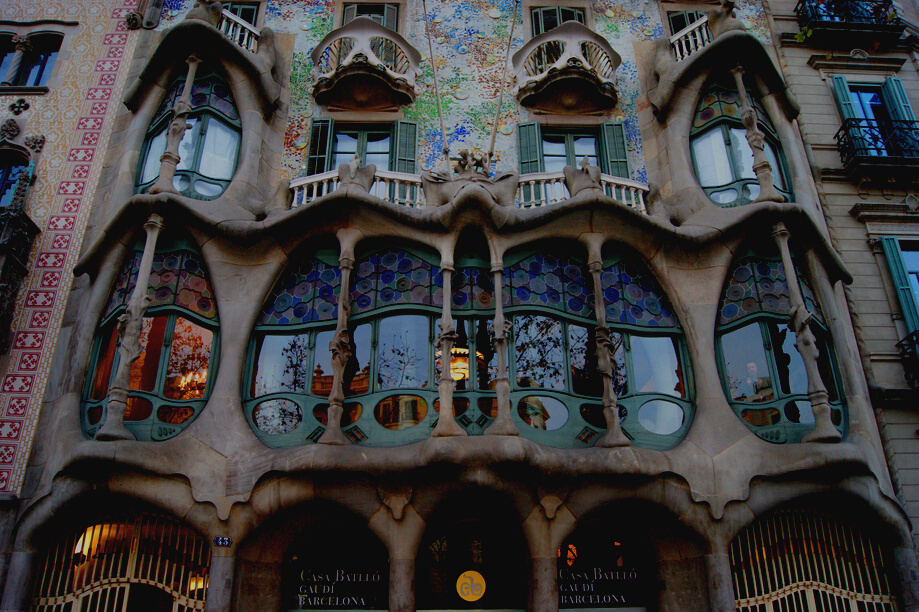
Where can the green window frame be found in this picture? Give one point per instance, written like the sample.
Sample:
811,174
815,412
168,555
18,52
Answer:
680,20
180,336
548,18
209,150
387,15
903,265
872,107
535,145
246,11
327,148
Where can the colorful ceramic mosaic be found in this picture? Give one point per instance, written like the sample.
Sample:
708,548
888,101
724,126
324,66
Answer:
759,285
548,281
632,296
395,277
473,288
722,102
304,294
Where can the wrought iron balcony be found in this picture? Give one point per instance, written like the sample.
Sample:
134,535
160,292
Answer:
17,232
239,31
567,70
363,65
909,352
849,22
868,146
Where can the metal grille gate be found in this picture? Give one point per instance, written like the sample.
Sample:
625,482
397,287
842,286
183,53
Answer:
801,562
99,569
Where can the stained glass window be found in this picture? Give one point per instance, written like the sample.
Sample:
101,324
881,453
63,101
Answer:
633,297
392,278
544,280
306,293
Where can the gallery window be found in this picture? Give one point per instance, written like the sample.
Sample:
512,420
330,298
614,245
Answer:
39,52
171,380
680,20
11,170
548,18
878,120
246,11
721,155
387,15
389,146
762,371
209,149
544,149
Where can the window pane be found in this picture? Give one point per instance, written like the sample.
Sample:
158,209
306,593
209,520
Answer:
459,359
9,176
377,150
403,360
152,161
400,411
540,412
582,357
357,371
788,361
712,164
186,371
745,365
281,364
585,145
778,177
188,145
145,368
743,154
104,363
218,159
656,366
553,145
539,354
486,356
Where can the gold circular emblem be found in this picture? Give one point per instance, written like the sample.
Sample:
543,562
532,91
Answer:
470,585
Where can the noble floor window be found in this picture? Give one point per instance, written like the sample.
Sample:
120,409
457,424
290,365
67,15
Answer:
762,371
209,148
544,149
387,15
550,17
722,156
38,57
680,20
11,170
171,380
246,12
387,146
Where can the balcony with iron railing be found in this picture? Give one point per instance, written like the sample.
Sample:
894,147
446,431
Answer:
533,190
849,23
239,31
882,148
569,69
364,65
909,353
691,39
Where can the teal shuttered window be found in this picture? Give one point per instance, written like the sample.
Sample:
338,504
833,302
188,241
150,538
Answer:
877,120
387,15
904,271
387,146
550,150
550,17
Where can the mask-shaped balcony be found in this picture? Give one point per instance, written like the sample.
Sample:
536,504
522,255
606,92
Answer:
363,65
568,70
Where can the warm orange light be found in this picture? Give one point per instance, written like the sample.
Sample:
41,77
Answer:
195,380
197,582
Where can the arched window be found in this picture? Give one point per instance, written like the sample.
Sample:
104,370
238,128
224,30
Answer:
761,369
209,148
136,562
171,380
721,155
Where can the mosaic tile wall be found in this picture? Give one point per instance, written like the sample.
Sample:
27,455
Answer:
470,46
76,118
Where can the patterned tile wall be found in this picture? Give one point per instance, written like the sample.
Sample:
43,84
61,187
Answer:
76,119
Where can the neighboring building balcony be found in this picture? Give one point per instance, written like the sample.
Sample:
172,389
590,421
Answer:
849,22
690,39
883,148
365,66
533,190
567,70
239,31
909,353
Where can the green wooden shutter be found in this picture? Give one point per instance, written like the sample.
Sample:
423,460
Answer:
391,17
403,154
350,14
896,101
901,282
319,154
844,98
613,154
529,140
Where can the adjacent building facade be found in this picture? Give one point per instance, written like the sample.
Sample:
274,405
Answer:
436,306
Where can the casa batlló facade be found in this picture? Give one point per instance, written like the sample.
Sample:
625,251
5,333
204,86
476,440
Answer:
438,306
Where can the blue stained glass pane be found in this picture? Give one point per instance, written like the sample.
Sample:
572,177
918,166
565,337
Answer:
632,295
305,293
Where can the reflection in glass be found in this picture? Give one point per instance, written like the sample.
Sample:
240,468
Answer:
488,406
277,416
400,411
138,409
746,366
218,156
351,412
799,412
540,412
593,415
460,405
540,357
186,370
788,361
104,364
145,368
403,360
281,364
174,415
660,417
656,366
357,371
761,418
582,357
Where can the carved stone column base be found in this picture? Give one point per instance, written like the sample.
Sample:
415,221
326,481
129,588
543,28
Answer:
113,429
503,425
446,426
614,436
333,434
823,432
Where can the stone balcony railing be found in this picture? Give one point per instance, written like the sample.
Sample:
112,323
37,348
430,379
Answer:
239,31
690,39
569,69
364,65
533,190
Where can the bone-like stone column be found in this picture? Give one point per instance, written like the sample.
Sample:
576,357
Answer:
130,325
21,46
799,320
446,424
170,158
761,166
606,359
17,596
342,351
220,583
503,425
720,584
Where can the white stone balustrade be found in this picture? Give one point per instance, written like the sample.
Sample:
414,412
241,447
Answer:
396,187
548,188
239,31
690,39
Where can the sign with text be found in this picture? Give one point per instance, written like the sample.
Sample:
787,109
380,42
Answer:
326,588
600,572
